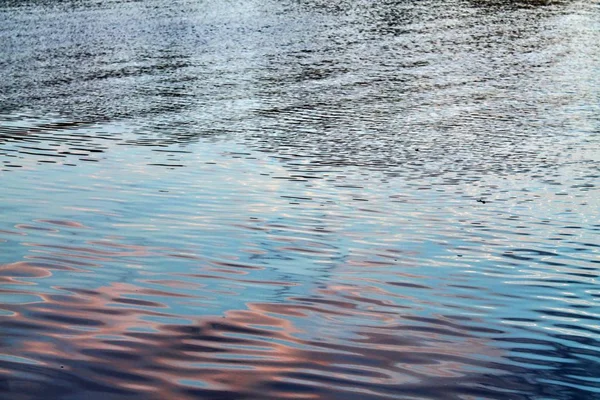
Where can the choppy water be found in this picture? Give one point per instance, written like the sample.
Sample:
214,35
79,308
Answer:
299,199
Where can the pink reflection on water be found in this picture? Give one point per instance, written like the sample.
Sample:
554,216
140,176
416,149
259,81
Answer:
339,338
65,223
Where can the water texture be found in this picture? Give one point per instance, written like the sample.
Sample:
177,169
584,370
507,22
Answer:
299,199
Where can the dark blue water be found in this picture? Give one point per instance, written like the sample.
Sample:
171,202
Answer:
299,199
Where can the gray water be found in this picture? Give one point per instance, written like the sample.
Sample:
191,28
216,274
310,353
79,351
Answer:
299,199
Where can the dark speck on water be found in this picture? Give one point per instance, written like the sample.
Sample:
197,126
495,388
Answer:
274,199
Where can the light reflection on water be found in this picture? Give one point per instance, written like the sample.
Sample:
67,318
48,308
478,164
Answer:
299,200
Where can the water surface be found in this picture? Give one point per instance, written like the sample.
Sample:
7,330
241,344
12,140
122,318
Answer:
299,199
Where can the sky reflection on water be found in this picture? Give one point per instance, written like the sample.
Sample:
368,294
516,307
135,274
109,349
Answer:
300,199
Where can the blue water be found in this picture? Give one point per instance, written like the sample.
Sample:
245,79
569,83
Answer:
299,199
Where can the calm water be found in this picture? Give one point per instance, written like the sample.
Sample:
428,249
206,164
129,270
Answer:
299,199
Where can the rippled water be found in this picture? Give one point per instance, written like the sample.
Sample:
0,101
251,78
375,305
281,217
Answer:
299,199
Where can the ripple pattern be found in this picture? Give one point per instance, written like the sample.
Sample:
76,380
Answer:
299,200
